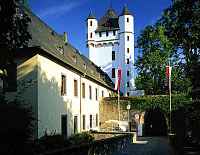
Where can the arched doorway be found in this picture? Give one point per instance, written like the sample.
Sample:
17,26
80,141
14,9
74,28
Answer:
155,123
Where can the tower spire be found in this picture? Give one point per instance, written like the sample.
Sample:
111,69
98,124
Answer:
110,4
125,11
91,16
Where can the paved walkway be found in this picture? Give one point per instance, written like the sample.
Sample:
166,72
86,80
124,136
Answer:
149,146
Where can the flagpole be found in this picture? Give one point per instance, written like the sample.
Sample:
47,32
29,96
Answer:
118,104
170,99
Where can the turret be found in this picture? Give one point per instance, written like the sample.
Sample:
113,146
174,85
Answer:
91,26
126,20
126,36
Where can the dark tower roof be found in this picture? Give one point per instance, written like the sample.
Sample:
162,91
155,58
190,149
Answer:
109,21
91,16
111,13
125,11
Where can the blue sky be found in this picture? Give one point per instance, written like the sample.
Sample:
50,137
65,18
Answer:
70,15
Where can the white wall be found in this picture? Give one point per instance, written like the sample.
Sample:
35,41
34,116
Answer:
51,105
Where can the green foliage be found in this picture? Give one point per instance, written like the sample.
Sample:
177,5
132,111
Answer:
143,103
182,24
81,138
155,49
14,30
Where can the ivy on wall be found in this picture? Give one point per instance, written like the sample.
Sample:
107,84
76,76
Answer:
143,103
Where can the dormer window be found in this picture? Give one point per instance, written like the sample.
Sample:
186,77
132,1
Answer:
90,23
60,49
74,59
85,67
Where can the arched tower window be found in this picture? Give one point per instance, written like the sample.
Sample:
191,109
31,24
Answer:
90,35
113,55
128,38
113,72
90,23
127,19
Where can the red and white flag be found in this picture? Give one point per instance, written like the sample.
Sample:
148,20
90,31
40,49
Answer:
118,79
168,72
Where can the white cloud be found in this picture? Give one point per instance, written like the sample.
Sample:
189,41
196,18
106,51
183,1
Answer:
59,9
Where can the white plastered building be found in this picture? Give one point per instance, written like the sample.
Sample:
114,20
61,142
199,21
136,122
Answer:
110,42
62,87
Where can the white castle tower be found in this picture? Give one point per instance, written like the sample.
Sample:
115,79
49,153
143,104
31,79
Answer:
110,41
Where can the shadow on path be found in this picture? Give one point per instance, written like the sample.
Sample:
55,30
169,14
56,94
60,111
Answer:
149,146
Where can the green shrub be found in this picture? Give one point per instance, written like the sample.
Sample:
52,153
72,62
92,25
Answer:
81,138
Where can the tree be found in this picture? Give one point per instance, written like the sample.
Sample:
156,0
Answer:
16,129
155,50
13,32
182,24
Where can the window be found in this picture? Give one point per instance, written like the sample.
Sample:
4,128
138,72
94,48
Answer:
127,20
64,125
90,23
90,92
83,90
90,35
102,93
128,84
128,94
63,85
113,72
90,121
127,61
113,55
128,50
114,33
75,124
128,73
107,33
84,122
97,120
100,34
128,38
75,88
74,59
96,92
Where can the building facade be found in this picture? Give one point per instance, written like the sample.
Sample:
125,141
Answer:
62,87
110,41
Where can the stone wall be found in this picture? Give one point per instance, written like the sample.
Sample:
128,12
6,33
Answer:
109,111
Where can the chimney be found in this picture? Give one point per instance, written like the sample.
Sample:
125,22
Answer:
65,37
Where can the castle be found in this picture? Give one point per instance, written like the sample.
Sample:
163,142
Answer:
110,41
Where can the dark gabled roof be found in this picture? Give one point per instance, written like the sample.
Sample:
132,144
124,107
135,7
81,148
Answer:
125,11
108,22
53,44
